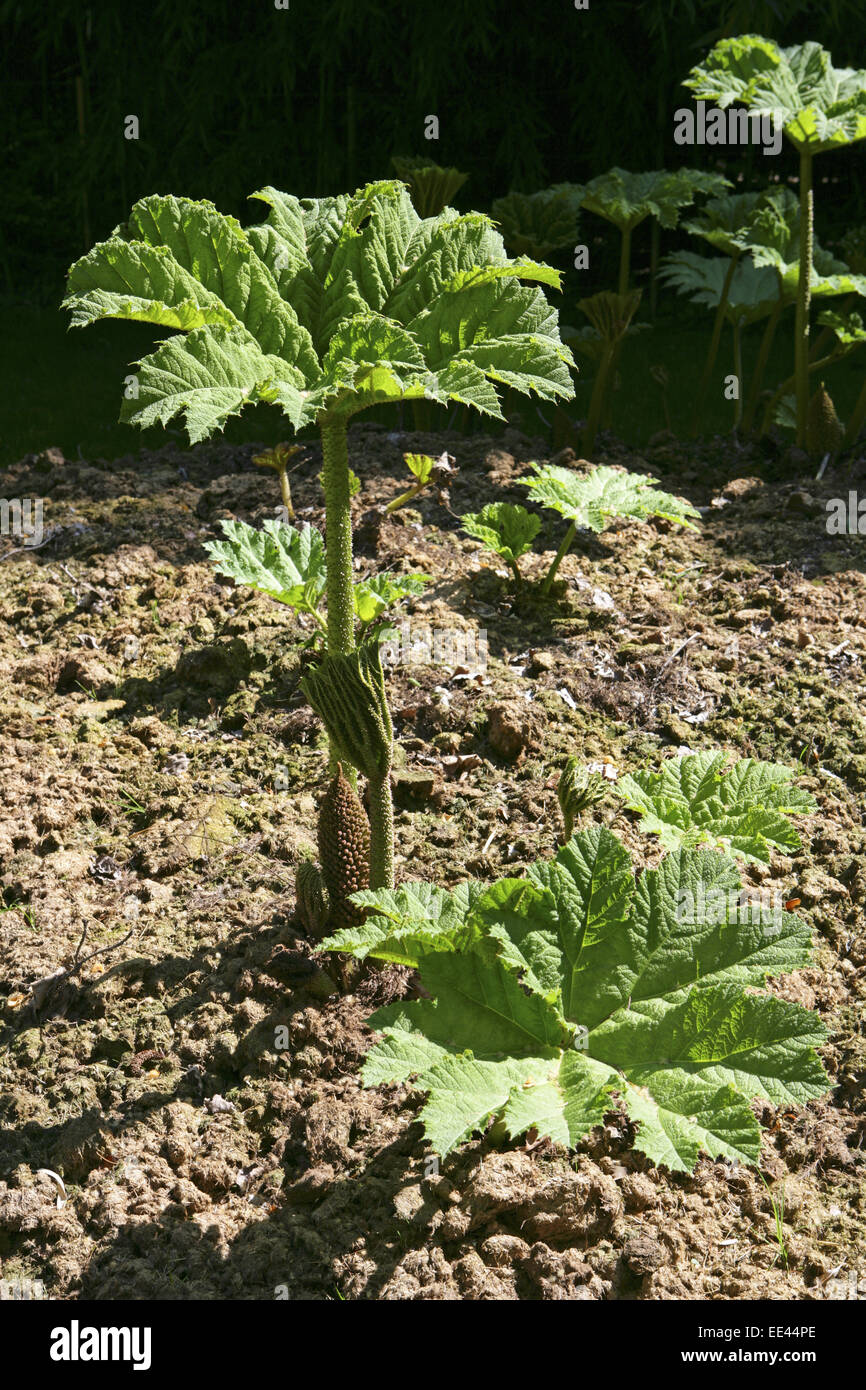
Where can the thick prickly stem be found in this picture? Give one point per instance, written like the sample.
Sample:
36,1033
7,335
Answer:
344,849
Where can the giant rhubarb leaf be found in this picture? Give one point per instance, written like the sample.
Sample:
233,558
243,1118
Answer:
551,993
331,304
819,106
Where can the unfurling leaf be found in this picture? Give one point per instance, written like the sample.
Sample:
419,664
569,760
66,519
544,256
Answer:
610,314
312,899
348,694
576,790
432,187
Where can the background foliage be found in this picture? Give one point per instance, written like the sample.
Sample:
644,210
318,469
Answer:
316,99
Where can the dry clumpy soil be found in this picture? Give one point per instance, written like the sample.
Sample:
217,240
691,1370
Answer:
195,1085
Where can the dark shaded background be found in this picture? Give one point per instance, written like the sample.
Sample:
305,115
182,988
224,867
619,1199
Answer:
234,94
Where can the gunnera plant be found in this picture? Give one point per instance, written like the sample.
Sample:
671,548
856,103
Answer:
820,108
327,307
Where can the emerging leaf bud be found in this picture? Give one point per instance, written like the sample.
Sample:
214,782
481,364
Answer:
577,789
312,901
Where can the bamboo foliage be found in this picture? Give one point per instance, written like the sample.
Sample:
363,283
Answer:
318,99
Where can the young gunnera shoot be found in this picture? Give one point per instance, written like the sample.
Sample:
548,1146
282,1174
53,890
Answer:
592,499
506,529
327,307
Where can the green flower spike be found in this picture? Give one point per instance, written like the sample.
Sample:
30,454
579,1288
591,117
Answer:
344,849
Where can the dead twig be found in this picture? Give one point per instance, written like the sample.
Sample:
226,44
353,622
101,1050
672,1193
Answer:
672,658
41,989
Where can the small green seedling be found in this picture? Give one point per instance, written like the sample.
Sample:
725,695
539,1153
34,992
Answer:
375,595
592,499
506,529
778,1207
425,469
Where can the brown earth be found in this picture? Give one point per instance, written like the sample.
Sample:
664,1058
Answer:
196,1085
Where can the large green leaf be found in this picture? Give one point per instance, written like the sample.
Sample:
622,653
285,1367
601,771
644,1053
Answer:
207,376
552,993
848,328
819,106
329,305
753,292
744,811
405,921
535,224
278,560
760,280
289,565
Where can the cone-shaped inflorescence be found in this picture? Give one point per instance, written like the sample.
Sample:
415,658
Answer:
344,849
577,789
348,693
824,432
312,900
